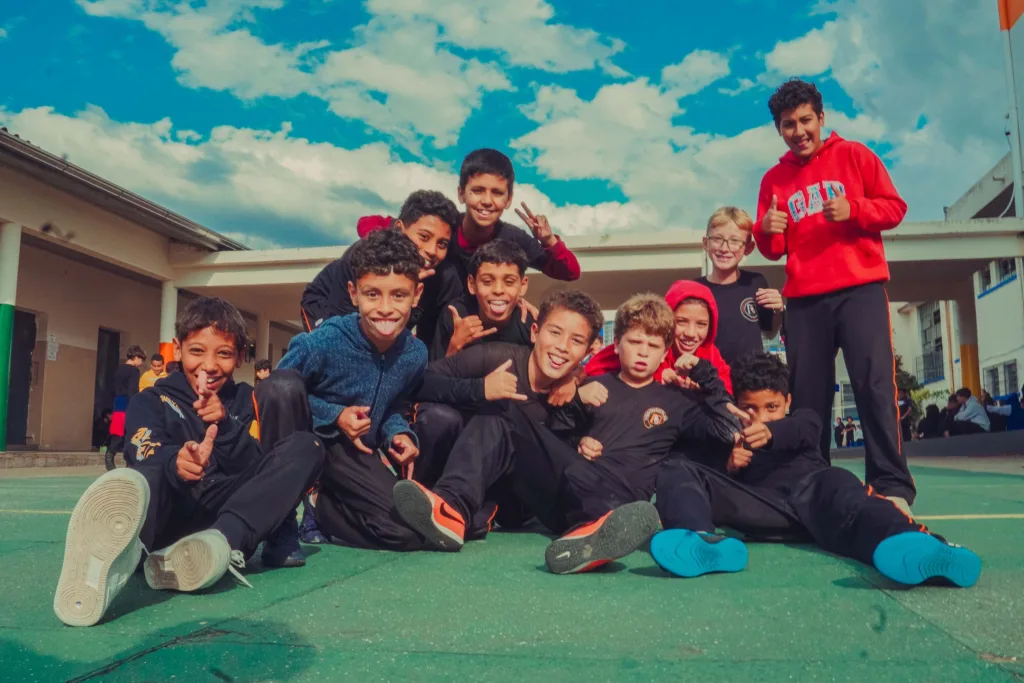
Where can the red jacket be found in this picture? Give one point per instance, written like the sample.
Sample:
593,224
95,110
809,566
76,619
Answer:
606,360
824,257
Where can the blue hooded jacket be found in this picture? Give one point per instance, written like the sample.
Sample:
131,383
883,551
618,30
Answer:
343,368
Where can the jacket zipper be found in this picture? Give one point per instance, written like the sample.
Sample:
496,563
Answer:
380,379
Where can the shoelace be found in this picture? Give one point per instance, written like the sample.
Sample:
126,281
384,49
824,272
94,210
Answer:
237,562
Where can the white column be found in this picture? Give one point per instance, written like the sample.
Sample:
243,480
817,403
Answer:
262,337
10,255
168,313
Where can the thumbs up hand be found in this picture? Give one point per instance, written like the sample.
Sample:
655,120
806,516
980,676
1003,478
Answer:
774,222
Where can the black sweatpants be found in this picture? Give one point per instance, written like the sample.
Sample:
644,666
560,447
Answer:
554,482
855,320
245,506
829,506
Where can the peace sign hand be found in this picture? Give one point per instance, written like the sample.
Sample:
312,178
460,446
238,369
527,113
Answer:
539,226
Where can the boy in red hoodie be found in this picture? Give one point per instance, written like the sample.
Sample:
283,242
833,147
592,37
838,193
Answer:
696,325
824,206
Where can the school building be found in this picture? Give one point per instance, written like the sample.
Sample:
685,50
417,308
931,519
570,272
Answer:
88,269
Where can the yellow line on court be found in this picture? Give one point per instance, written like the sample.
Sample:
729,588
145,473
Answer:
930,518
36,512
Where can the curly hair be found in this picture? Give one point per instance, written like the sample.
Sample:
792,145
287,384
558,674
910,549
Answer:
428,203
383,252
499,251
574,301
791,95
211,311
759,371
481,161
648,311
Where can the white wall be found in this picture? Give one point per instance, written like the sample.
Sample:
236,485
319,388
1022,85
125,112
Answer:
1000,310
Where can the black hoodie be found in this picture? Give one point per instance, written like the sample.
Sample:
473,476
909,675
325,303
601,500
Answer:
161,419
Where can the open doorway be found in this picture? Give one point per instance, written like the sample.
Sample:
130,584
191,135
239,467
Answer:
22,346
108,356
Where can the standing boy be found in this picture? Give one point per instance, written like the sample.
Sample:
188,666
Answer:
496,282
427,218
824,207
749,309
126,385
199,487
262,370
155,372
780,485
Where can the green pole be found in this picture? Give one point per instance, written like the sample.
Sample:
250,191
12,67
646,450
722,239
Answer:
6,335
10,254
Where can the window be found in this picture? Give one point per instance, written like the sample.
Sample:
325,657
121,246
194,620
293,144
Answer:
609,332
992,381
984,278
848,399
1010,380
1007,268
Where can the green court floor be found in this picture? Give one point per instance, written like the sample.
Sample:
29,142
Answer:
491,612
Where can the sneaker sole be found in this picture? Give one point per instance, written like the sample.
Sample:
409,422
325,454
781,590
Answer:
684,553
913,557
415,508
626,529
188,567
106,521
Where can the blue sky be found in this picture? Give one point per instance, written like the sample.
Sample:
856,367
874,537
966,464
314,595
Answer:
280,122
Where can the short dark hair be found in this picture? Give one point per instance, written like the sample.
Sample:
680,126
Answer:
429,203
575,301
759,371
135,352
173,366
262,364
157,357
491,161
791,95
964,393
951,399
499,251
211,311
383,252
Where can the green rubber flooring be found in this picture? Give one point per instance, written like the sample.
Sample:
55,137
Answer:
491,612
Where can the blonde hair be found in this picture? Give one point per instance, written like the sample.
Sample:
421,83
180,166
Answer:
732,214
648,311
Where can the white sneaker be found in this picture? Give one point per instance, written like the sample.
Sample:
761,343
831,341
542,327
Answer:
102,549
902,504
193,563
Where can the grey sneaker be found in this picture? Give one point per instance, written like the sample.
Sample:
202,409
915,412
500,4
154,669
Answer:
193,563
102,549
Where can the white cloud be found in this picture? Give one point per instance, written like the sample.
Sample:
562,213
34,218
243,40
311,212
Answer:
742,86
808,55
522,30
266,188
3,33
698,70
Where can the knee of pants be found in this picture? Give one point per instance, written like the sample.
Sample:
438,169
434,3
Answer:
283,386
830,484
304,447
437,418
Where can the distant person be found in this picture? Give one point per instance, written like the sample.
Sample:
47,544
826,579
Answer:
126,385
173,367
101,429
839,431
931,425
948,413
749,309
851,432
824,207
262,370
156,371
972,417
906,406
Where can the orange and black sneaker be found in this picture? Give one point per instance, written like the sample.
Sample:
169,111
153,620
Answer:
427,513
615,535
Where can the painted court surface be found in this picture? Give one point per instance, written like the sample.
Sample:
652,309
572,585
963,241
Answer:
491,613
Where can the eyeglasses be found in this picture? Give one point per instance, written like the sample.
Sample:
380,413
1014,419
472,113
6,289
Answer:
717,241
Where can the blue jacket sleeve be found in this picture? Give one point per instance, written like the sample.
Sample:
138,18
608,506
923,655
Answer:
302,358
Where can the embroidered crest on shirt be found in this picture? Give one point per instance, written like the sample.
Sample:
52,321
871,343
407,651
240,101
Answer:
173,406
654,417
144,447
748,309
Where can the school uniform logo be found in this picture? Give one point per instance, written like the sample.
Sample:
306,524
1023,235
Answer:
748,309
173,406
812,201
654,417
144,446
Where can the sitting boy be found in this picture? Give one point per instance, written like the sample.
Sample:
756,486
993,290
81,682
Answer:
427,218
600,489
780,485
199,486
496,283
359,369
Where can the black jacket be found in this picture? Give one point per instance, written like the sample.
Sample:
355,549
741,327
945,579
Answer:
793,452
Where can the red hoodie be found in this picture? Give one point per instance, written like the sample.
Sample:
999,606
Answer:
824,257
606,360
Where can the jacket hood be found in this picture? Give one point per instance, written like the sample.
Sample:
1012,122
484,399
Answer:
681,290
367,224
829,142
